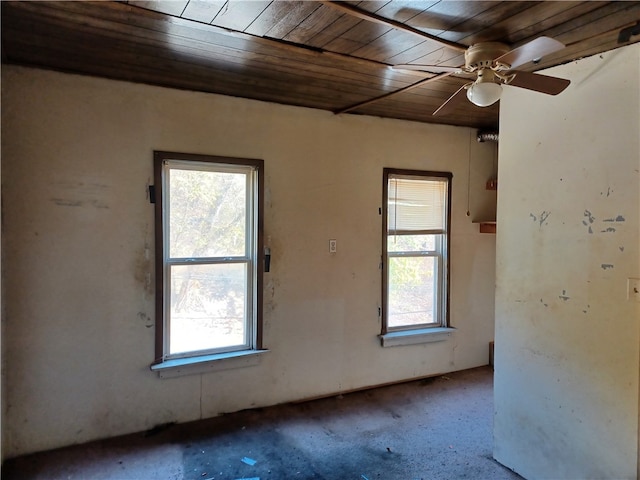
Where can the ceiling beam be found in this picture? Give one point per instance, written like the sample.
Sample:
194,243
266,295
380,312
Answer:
395,92
372,17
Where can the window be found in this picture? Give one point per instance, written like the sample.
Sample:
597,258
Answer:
415,250
208,252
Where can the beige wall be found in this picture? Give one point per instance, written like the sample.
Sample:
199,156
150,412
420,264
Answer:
566,378
78,244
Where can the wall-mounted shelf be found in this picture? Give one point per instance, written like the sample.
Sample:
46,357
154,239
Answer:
483,184
487,227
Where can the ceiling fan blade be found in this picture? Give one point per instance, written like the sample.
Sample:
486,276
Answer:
454,100
428,68
530,51
538,82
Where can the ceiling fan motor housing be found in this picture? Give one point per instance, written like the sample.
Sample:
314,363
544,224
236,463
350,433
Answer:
483,55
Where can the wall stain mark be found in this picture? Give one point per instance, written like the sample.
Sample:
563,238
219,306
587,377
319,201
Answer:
606,266
543,217
609,192
589,219
621,249
564,297
142,268
98,204
533,216
608,230
542,302
66,203
85,192
589,216
78,184
145,318
63,202
619,218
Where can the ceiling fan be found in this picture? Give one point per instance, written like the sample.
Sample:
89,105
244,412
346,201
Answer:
493,64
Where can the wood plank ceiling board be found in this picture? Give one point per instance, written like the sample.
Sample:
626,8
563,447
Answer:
305,53
485,26
390,44
292,76
170,7
203,10
603,24
609,18
583,21
314,24
279,18
408,106
447,16
356,37
405,47
239,15
332,30
191,36
376,26
567,12
517,19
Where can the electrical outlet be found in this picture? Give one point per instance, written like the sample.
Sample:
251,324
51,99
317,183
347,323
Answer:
633,289
333,246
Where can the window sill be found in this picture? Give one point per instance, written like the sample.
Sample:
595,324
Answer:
413,337
208,363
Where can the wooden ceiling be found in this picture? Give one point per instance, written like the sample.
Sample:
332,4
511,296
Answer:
306,53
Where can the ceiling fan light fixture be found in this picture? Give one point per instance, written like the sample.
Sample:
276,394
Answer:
484,94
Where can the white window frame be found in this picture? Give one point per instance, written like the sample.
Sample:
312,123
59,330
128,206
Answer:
253,258
391,334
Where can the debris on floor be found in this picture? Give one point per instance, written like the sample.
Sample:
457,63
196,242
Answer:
442,433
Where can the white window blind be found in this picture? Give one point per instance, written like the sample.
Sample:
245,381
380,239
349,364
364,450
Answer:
416,205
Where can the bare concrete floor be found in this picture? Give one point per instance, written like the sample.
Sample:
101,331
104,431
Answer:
440,428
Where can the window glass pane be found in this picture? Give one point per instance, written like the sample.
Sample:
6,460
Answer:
412,291
411,243
207,212
208,306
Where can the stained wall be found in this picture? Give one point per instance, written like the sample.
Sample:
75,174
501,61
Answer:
78,249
